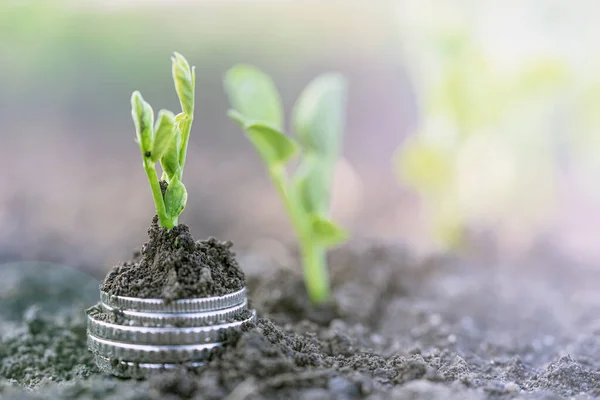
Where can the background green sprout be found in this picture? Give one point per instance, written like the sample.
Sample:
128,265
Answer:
484,134
318,123
167,141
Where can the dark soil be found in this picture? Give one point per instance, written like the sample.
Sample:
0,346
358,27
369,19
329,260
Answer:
397,328
171,266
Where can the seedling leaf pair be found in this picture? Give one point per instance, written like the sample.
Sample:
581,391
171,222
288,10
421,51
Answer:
317,121
166,141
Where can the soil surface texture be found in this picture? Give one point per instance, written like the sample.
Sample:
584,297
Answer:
172,265
397,327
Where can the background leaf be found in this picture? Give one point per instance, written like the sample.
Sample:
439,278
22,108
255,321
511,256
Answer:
318,120
237,118
318,116
253,94
326,232
313,184
275,147
164,132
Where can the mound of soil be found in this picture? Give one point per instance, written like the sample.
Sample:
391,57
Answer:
171,266
398,327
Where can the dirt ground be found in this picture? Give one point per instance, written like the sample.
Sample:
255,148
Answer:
398,327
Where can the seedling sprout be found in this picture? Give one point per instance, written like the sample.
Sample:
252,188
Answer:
166,142
318,123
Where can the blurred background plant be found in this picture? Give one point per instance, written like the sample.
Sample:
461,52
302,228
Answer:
493,107
497,86
483,154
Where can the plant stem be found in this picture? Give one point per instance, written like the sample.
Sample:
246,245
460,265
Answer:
159,201
315,272
313,257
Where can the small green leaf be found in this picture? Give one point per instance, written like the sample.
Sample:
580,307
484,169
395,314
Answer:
327,232
313,185
319,113
164,132
185,79
253,94
170,160
275,147
143,118
175,198
236,117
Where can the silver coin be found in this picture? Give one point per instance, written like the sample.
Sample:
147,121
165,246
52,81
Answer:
142,353
177,306
163,335
127,369
181,319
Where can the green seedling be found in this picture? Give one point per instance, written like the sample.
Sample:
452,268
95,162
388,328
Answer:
166,142
318,122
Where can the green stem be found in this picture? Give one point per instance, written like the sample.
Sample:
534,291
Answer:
159,201
314,267
313,257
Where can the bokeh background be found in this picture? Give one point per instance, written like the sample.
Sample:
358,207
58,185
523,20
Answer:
466,120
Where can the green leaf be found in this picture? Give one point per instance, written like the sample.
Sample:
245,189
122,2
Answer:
175,198
164,132
313,185
318,116
170,160
143,118
253,94
237,118
327,232
318,120
274,146
185,79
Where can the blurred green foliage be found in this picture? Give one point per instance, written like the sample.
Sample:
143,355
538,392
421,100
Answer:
484,138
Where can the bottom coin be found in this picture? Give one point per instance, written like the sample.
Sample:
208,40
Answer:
125,369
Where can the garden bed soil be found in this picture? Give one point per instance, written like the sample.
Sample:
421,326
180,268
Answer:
397,327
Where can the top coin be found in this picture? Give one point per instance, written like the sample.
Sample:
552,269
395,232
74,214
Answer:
176,306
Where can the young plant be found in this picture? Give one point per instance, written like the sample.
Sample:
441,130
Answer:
318,122
166,142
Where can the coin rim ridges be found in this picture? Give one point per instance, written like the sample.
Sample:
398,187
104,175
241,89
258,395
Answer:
201,304
142,353
161,335
192,319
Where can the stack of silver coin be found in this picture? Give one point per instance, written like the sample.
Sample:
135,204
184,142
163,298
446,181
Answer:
153,335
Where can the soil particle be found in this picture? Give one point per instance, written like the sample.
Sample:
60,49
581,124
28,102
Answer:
45,349
173,266
568,378
426,390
